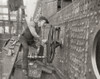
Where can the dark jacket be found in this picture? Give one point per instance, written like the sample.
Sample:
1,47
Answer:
27,34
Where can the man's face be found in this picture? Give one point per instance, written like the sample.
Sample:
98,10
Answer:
41,23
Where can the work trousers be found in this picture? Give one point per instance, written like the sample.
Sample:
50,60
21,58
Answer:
25,47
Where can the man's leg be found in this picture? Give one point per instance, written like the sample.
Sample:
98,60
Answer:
25,54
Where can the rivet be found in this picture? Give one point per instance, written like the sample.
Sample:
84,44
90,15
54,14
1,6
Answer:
85,15
91,14
85,61
62,61
76,75
82,23
90,70
84,74
96,21
88,15
87,26
91,31
95,13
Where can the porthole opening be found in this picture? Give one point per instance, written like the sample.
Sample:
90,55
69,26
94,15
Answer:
95,55
98,54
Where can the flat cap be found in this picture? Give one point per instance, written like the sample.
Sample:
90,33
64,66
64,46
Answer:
44,18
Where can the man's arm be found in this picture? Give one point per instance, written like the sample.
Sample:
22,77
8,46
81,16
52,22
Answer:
33,31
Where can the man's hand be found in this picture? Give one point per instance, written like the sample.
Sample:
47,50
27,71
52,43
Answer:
44,41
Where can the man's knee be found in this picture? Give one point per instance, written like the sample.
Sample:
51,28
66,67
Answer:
25,45
26,48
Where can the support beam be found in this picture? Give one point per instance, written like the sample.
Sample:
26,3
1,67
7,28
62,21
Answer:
7,20
7,14
10,14
18,16
3,6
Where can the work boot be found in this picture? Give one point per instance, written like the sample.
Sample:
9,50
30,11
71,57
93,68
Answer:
25,74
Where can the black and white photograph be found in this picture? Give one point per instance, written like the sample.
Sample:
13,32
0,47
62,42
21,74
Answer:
49,39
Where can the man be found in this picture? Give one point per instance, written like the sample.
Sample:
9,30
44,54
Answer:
31,33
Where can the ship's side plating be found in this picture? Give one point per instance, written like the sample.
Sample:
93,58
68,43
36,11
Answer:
80,30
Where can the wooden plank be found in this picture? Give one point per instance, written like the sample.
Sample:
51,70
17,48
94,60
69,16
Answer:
8,61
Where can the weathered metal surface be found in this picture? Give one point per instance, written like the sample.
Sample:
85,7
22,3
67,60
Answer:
48,5
78,48
80,21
